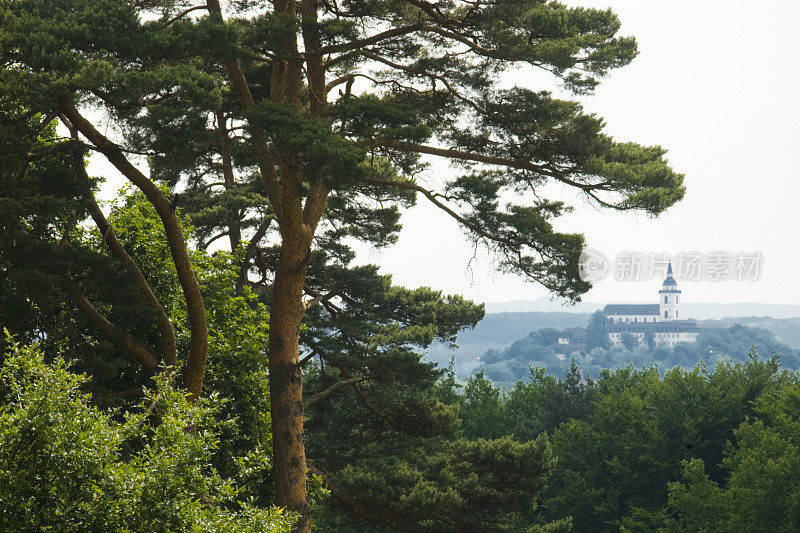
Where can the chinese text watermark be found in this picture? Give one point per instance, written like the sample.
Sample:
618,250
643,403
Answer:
686,266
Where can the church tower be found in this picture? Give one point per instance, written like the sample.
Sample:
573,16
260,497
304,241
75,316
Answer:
669,298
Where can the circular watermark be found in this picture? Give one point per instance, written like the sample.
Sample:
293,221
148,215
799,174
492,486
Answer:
593,266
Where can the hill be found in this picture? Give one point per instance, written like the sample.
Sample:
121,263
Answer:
695,310
499,330
541,349
787,330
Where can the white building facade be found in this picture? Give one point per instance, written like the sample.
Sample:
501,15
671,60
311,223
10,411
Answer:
663,319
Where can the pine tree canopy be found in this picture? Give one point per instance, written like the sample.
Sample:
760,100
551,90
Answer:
290,129
401,79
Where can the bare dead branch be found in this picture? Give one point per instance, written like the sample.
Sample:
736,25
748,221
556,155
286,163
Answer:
320,395
184,13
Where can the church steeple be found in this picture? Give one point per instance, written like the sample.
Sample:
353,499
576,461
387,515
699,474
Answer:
669,297
669,281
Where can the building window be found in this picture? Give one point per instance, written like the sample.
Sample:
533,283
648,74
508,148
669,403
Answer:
665,314
666,299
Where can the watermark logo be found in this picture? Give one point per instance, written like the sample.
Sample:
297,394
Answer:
687,266
593,266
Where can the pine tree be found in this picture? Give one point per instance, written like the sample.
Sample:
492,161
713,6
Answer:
303,124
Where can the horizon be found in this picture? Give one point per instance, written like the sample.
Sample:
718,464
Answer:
711,310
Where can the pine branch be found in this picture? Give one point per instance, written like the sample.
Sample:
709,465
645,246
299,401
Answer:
318,396
138,351
351,505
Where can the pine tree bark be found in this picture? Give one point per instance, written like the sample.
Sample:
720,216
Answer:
286,380
297,216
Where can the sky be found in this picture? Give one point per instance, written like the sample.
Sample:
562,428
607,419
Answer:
715,84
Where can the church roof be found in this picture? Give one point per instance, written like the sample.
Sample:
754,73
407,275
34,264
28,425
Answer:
632,309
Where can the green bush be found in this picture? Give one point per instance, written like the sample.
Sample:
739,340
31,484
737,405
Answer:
66,465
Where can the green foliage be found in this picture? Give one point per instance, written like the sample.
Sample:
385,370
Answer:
161,77
543,402
597,331
761,488
398,453
420,476
482,414
66,465
622,442
237,325
238,329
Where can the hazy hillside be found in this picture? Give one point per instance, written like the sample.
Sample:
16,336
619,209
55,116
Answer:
690,309
499,330
502,328
787,330
505,367
544,305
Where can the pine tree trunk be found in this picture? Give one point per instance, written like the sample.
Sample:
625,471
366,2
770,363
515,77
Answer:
286,382
297,224
195,309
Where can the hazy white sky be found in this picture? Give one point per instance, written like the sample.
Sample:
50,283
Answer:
716,84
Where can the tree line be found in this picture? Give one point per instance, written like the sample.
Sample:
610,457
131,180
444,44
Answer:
704,449
711,448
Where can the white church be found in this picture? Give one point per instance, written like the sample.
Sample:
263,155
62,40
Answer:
662,318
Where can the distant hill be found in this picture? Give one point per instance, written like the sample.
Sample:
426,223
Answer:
787,330
503,328
745,309
500,329
693,310
542,349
